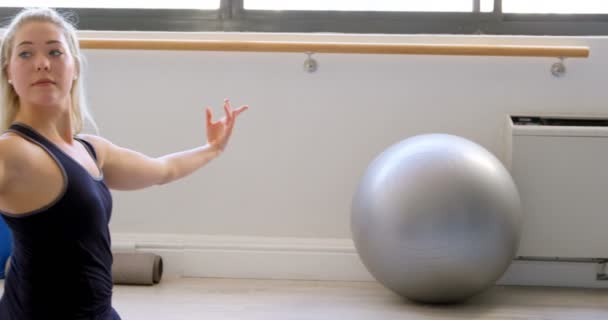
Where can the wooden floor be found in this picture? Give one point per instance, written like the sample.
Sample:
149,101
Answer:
197,298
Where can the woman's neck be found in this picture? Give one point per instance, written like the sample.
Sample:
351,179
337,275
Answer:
56,127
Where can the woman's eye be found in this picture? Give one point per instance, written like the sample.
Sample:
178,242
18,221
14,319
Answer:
25,54
56,53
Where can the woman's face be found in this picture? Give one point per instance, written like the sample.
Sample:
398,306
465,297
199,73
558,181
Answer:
41,67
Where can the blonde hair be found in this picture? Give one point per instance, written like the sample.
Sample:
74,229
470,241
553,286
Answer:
10,100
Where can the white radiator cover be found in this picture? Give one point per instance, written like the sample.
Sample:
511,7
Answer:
561,172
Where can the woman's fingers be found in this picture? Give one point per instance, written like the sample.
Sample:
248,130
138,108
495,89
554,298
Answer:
228,111
231,114
239,110
209,116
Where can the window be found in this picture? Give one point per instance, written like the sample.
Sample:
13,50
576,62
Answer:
555,6
512,17
487,5
362,5
139,4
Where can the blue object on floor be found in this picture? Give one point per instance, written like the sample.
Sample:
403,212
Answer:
6,246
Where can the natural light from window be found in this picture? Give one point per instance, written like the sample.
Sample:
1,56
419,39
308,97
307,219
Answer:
555,6
362,5
487,5
508,6
119,4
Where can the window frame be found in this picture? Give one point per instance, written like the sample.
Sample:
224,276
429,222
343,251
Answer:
232,17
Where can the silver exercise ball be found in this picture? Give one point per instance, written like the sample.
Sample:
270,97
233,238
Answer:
436,218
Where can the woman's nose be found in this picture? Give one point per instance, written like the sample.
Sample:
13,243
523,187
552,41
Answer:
42,63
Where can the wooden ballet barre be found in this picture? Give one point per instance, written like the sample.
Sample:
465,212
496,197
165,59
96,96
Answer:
338,47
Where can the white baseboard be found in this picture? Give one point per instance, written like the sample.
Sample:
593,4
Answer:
250,257
310,259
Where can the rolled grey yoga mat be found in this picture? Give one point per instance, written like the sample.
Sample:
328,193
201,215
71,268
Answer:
137,268
130,268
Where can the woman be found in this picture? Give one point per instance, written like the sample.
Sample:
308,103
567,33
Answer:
54,182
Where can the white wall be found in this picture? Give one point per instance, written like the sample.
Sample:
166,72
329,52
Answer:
277,203
297,154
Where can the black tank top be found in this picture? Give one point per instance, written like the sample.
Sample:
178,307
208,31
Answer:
61,265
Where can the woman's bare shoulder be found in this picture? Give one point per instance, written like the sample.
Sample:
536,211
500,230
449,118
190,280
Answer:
14,152
99,143
12,146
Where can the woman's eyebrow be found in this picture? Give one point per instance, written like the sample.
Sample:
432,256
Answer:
31,43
